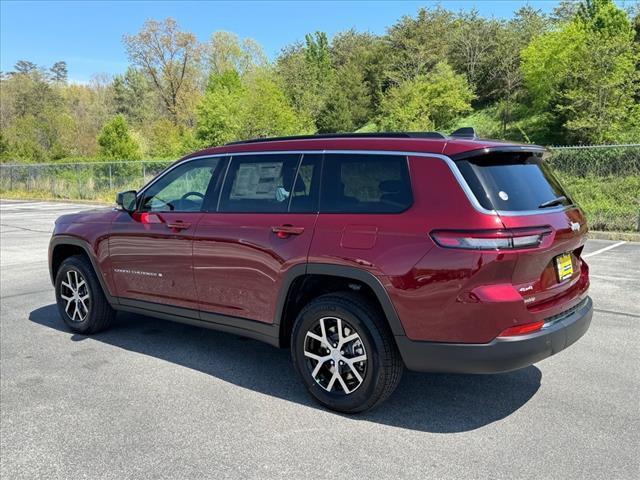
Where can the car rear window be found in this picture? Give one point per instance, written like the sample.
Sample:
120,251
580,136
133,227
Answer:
512,181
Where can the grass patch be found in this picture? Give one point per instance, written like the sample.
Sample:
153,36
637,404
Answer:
610,203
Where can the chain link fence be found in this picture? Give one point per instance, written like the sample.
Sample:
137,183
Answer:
76,181
603,179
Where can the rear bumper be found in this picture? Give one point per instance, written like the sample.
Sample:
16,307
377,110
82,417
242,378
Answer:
501,354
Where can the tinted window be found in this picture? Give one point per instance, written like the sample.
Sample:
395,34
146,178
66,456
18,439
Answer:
304,197
512,181
182,189
259,183
365,184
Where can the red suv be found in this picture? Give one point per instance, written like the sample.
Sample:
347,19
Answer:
363,253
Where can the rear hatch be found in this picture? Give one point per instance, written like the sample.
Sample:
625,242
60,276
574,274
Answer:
525,193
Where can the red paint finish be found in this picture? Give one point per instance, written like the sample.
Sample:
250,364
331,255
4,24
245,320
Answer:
235,264
151,260
92,228
359,237
240,261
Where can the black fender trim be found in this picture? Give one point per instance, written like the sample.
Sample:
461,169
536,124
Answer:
290,276
58,240
353,273
263,332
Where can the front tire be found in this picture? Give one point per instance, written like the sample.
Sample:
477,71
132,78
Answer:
345,353
81,301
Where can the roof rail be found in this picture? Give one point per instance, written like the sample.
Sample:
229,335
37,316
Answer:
465,132
433,135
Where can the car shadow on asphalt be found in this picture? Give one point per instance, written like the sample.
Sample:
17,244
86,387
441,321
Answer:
437,403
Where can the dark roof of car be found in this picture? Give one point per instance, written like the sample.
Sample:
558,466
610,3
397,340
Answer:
435,135
419,142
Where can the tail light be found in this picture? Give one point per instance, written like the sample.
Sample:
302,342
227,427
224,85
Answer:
522,329
500,239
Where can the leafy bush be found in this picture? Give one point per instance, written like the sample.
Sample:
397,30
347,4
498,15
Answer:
116,141
427,102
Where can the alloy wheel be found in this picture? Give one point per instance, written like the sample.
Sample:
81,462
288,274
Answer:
336,355
75,291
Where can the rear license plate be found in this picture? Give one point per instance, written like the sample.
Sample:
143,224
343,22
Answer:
564,267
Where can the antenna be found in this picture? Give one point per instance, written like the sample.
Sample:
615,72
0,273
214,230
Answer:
465,132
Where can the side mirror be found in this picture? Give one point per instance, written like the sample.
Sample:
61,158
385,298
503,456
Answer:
127,200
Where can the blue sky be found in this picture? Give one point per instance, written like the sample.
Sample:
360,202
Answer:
88,35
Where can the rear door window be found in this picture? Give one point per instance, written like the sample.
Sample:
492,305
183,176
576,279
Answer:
513,182
361,183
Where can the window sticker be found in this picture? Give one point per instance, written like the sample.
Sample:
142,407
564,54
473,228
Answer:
503,195
256,181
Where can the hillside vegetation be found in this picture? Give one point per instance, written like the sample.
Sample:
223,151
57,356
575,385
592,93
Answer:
566,78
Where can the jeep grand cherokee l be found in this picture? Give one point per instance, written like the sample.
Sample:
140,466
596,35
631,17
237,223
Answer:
364,254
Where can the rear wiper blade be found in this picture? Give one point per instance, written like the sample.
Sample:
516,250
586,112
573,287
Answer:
553,202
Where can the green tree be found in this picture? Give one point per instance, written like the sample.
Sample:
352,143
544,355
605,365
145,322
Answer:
298,79
474,41
565,11
426,102
227,52
348,104
117,142
166,140
42,138
221,110
25,67
366,56
35,119
59,72
418,44
304,73
4,147
170,57
252,106
133,96
90,108
266,111
318,55
586,74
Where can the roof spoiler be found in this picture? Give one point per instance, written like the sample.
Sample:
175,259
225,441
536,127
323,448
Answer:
465,132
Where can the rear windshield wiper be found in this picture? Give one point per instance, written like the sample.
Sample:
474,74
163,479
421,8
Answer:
553,202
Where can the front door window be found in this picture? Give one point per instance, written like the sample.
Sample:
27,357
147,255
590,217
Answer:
183,189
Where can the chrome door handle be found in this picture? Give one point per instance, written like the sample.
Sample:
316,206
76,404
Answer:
178,225
283,231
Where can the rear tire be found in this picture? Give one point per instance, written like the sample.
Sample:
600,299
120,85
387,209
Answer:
344,351
81,301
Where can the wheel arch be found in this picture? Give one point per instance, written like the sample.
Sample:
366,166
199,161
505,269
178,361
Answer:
290,298
62,247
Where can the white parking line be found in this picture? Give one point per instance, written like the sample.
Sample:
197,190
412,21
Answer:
603,249
29,206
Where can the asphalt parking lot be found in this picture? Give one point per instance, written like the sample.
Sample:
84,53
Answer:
154,399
